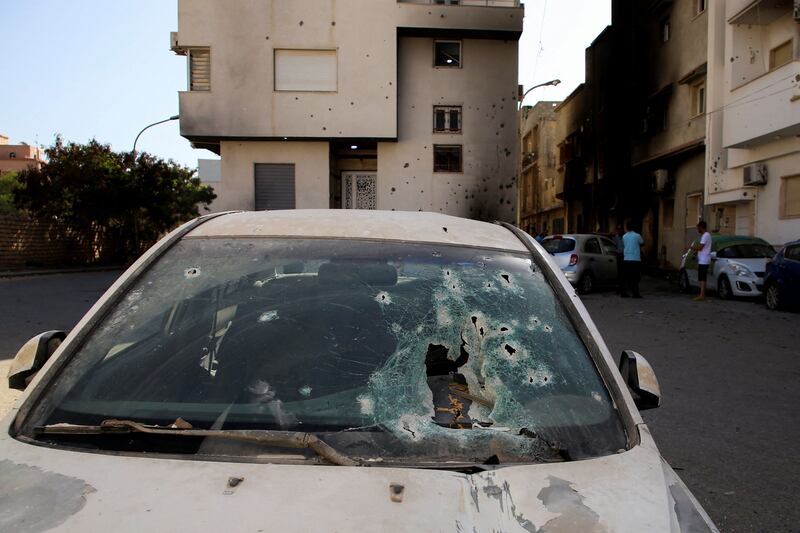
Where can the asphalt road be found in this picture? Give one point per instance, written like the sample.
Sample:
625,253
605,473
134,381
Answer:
728,423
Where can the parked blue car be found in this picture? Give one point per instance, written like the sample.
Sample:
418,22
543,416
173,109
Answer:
782,282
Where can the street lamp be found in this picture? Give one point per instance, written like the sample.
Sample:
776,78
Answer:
545,84
173,117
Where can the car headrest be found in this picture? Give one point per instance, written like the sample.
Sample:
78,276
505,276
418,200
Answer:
353,273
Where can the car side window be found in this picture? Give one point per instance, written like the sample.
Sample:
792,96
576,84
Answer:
592,247
608,247
727,253
792,253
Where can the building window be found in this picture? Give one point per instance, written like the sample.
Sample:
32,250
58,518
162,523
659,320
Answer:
667,213
447,2
699,99
694,209
447,158
665,30
780,55
790,197
306,70
447,54
699,6
447,119
12,155
199,69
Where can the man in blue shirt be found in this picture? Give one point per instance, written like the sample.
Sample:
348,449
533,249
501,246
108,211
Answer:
632,255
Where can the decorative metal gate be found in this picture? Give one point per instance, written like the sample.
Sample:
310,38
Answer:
360,190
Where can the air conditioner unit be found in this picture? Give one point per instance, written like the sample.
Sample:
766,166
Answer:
660,179
755,174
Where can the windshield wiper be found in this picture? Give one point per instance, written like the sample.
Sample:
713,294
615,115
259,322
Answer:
285,439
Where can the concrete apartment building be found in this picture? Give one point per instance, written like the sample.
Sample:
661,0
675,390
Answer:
539,208
668,143
752,178
16,157
368,104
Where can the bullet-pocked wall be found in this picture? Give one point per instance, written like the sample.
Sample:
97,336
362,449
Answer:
484,88
311,172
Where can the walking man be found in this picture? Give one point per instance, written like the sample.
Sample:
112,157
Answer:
620,244
632,256
703,249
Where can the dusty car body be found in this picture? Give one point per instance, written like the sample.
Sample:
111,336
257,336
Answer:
587,260
85,448
738,266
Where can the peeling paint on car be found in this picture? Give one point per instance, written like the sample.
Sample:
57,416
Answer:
574,515
34,500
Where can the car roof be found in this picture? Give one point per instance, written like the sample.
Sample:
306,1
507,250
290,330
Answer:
721,241
576,236
361,224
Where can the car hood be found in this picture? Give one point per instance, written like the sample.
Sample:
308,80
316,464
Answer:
755,265
64,490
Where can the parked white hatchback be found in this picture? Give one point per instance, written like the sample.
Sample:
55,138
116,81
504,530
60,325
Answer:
337,371
738,266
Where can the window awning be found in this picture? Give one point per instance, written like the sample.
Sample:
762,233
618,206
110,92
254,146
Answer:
694,74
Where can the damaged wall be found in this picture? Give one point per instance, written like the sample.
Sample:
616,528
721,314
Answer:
485,88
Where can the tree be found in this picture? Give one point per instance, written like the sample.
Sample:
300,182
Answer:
8,183
93,190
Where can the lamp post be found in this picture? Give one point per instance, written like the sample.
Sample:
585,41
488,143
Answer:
173,117
545,84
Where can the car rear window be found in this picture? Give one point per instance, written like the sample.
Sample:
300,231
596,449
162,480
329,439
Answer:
556,245
389,351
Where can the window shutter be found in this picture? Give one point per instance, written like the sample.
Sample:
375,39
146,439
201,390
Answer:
274,187
200,69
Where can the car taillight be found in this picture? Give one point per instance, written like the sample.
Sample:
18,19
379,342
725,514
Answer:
573,260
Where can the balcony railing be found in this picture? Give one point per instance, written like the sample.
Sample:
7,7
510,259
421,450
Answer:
482,3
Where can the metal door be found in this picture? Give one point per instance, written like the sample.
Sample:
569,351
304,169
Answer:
274,187
359,190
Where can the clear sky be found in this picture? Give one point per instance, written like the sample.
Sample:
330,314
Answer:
103,68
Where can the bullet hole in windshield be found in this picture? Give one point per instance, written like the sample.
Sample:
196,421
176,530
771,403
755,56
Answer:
268,316
445,230
510,349
191,272
506,277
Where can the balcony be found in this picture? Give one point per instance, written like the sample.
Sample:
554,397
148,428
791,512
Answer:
767,108
480,19
479,3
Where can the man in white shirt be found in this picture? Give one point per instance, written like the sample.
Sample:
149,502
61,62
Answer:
703,249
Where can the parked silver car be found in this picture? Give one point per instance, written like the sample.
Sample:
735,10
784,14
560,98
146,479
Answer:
587,260
337,371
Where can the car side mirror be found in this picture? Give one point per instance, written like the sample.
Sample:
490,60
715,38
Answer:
641,380
32,357
713,255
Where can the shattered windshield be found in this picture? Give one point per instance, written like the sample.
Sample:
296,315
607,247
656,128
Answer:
390,352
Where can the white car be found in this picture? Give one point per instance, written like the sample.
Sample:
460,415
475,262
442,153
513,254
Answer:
337,371
738,266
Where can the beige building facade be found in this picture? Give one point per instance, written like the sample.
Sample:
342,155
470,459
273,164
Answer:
540,210
380,104
16,157
752,173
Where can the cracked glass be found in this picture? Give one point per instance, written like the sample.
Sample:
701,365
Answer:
389,352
